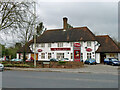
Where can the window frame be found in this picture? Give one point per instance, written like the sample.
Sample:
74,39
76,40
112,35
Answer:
42,56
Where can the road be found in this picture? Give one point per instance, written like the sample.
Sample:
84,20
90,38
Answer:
32,79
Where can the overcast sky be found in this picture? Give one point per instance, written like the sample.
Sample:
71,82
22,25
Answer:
99,17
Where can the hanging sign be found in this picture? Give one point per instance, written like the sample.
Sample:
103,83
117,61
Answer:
89,49
39,50
60,49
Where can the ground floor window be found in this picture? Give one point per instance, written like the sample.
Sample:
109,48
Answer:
71,55
42,55
60,55
49,55
81,56
88,55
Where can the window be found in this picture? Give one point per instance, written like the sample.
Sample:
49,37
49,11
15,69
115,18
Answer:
42,45
49,55
42,55
71,55
88,43
81,56
60,55
36,45
60,44
81,43
88,55
71,44
49,44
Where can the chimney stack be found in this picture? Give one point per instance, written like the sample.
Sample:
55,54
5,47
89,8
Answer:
65,23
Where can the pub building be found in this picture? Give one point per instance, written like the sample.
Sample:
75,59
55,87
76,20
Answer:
75,43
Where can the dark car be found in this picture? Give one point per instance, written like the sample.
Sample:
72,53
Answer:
111,61
53,59
90,61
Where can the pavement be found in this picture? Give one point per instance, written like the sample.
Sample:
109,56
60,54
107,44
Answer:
99,68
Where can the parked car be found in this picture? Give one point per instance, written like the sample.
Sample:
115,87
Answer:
4,59
90,61
1,67
111,61
29,60
64,59
53,59
17,60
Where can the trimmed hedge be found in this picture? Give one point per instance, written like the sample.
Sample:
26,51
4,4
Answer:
59,64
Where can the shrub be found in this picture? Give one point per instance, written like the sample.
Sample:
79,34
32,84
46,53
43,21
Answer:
61,62
8,65
21,65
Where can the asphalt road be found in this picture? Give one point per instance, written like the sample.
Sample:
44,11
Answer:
30,79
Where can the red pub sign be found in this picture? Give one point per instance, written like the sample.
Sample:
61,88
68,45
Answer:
77,51
60,49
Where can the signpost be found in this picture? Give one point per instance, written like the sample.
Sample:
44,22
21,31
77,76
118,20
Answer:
77,51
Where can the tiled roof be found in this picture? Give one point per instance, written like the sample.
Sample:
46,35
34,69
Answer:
107,44
25,48
70,35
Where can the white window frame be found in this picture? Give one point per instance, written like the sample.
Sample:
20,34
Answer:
42,44
60,44
60,55
49,45
71,44
81,43
42,55
49,55
88,43
89,55
82,56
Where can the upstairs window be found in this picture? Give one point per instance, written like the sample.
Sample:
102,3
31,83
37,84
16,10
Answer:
42,45
60,44
71,44
49,44
88,43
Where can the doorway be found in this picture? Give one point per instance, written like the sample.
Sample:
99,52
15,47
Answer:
102,57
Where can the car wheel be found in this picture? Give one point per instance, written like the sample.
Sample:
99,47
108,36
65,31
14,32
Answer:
112,64
89,63
95,63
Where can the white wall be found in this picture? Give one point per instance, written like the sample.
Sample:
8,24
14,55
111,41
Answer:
98,57
47,50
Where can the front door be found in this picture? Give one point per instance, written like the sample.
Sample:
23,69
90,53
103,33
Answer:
102,57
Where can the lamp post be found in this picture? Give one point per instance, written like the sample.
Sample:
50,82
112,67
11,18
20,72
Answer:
34,35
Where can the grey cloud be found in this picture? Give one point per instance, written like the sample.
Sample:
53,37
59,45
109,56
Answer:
100,17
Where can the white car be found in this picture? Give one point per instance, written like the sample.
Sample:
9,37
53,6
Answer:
1,67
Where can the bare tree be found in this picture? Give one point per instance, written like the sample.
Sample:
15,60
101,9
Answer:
12,14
